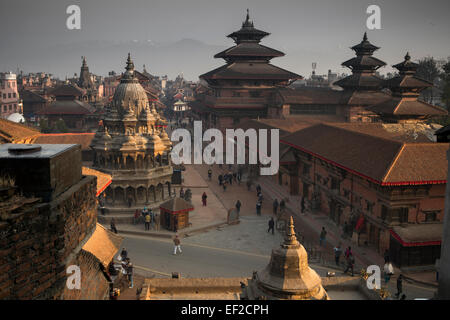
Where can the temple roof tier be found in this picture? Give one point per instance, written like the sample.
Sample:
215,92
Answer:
406,83
364,63
249,50
248,33
250,71
364,47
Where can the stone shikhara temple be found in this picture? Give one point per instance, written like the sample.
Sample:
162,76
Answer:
133,146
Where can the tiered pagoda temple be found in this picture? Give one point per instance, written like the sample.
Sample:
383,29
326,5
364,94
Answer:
242,88
404,105
365,97
133,146
363,87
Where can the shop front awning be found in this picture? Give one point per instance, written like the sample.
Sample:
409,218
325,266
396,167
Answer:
418,235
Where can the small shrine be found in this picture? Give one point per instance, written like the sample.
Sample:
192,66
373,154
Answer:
174,214
287,276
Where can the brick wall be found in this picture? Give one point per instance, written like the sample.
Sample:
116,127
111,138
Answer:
94,285
38,244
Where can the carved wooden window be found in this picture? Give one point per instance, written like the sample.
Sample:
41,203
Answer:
431,216
335,184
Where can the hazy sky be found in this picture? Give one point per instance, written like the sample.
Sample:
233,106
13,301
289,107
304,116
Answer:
306,31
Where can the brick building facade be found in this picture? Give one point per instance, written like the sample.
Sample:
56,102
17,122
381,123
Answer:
44,230
387,187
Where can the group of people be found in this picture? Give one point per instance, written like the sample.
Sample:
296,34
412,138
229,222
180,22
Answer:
388,271
276,205
227,178
127,266
147,215
349,258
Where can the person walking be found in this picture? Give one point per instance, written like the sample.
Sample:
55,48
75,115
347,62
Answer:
204,196
258,189
275,207
348,252
322,237
209,174
350,263
113,225
337,254
258,208
238,207
388,271
182,193
239,177
220,177
260,197
224,184
249,185
399,285
271,225
177,244
130,274
148,219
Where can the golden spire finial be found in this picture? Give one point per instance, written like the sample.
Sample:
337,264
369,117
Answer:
290,238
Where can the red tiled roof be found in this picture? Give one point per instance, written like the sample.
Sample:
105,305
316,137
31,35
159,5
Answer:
418,235
103,179
177,205
30,96
103,244
407,106
66,90
379,159
11,132
84,139
407,82
310,95
386,131
74,107
364,98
